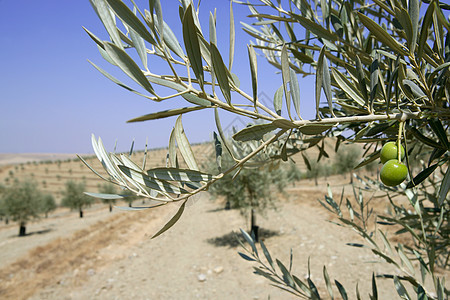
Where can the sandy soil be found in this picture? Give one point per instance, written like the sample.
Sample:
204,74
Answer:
111,256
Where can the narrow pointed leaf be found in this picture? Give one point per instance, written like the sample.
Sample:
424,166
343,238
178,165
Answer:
253,71
347,86
414,14
139,44
127,16
285,73
253,132
341,290
328,282
295,92
316,28
221,73
421,176
381,35
191,43
232,37
267,255
103,12
401,290
445,185
106,196
116,81
172,221
184,146
426,23
319,79
128,66
173,174
150,182
278,100
314,129
165,114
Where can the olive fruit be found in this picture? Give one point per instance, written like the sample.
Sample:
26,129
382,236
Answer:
393,173
390,151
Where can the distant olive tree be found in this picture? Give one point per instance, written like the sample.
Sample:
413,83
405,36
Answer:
22,203
74,197
252,189
48,204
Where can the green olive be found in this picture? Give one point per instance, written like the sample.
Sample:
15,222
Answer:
393,173
390,151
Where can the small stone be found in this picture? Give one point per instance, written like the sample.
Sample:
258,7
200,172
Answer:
90,272
201,277
218,269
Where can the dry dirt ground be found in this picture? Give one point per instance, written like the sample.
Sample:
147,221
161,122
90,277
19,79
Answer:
111,256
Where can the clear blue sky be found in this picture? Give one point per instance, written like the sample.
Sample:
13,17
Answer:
52,99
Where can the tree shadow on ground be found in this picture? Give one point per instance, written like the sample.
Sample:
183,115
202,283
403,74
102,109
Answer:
33,233
230,240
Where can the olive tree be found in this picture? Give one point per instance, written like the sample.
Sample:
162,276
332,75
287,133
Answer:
22,203
381,72
48,204
251,190
74,196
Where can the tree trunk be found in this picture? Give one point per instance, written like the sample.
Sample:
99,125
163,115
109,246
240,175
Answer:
129,204
110,207
254,228
22,229
81,213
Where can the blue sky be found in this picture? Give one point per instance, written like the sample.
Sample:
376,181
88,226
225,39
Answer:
52,99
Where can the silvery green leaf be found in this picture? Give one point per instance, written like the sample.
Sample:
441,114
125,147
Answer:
326,83
221,134
105,196
267,255
347,86
184,146
128,66
152,183
341,290
94,38
192,45
253,71
315,28
319,79
414,14
401,290
405,20
172,153
361,79
405,259
221,73
116,81
155,5
218,148
287,277
212,29
328,282
445,185
232,37
295,92
171,41
139,44
415,90
172,221
92,169
250,241
127,16
165,114
427,20
105,55
278,100
313,129
173,174
253,132
381,34
102,10
285,73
